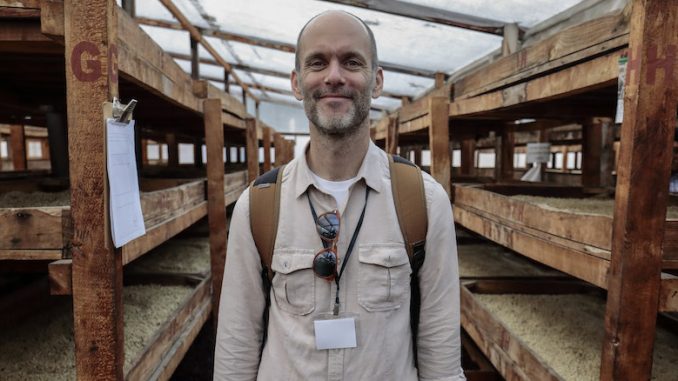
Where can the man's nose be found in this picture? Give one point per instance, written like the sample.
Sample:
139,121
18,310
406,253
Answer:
334,75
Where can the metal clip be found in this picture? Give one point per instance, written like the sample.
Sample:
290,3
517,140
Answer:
123,113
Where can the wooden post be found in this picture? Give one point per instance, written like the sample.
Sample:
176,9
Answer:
144,152
197,153
563,151
226,84
172,150
129,7
417,155
507,153
244,98
278,143
17,145
252,150
267,148
592,146
468,149
544,138
511,42
58,144
392,135
195,59
90,34
256,110
216,208
439,80
650,101
439,142
44,148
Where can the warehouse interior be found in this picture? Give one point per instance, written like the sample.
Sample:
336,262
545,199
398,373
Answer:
552,126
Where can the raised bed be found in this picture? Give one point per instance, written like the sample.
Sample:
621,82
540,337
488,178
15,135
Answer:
44,229
547,331
574,242
161,321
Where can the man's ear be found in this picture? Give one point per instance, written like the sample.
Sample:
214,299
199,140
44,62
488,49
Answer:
294,79
378,82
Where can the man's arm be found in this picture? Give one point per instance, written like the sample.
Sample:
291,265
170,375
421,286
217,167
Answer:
240,328
439,346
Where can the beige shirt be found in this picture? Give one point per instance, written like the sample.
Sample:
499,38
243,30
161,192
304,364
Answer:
375,287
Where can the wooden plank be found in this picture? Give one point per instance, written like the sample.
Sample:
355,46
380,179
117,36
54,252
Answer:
163,204
381,128
535,245
590,75
158,234
415,125
641,195
91,30
439,142
267,148
216,212
598,230
61,277
565,48
668,293
30,255
414,110
34,228
252,150
506,352
17,147
52,19
173,338
392,135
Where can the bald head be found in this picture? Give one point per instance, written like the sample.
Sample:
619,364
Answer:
316,23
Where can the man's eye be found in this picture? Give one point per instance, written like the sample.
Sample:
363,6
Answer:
315,64
354,63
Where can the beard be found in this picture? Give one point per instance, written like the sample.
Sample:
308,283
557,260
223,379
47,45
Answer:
338,124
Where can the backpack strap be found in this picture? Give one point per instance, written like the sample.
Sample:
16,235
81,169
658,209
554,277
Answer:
409,197
264,209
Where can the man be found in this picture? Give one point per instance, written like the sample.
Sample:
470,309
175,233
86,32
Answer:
354,325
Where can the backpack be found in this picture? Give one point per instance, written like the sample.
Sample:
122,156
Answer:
410,202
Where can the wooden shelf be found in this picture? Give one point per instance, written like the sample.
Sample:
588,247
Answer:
43,233
553,237
573,322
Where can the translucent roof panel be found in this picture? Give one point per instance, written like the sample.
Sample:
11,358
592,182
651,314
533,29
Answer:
525,12
405,42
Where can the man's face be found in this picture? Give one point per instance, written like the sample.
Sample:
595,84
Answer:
335,79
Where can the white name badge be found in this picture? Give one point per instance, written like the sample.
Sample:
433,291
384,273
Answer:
335,333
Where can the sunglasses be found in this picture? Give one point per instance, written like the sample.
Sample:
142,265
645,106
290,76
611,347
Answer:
325,261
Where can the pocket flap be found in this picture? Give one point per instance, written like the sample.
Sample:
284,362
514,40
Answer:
386,256
286,262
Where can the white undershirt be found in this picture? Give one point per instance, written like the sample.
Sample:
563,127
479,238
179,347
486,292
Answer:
338,189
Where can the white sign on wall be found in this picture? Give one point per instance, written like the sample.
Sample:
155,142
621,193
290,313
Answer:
538,152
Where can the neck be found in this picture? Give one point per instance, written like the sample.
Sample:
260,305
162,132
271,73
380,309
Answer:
337,158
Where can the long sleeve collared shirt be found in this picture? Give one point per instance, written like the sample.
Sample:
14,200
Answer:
375,288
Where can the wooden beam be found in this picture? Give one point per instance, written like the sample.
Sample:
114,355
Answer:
270,44
511,42
439,142
252,150
91,31
17,145
216,213
434,15
642,194
267,149
572,45
197,35
595,74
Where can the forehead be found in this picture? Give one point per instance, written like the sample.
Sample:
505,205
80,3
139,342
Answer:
334,32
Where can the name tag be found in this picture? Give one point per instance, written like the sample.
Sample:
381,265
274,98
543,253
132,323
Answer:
335,333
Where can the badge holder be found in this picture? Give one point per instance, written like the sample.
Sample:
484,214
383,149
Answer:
336,331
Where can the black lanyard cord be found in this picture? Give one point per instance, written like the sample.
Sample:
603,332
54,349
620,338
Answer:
350,245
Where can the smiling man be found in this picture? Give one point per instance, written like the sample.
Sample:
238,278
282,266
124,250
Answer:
340,292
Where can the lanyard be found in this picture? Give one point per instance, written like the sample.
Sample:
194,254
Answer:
350,245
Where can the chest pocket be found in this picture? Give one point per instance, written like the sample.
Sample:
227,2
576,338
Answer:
294,283
384,280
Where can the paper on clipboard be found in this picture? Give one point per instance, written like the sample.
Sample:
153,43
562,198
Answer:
127,220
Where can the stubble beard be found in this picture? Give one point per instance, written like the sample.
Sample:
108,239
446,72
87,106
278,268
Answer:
338,125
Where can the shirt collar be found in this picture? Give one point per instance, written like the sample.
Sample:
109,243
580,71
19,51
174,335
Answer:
372,170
